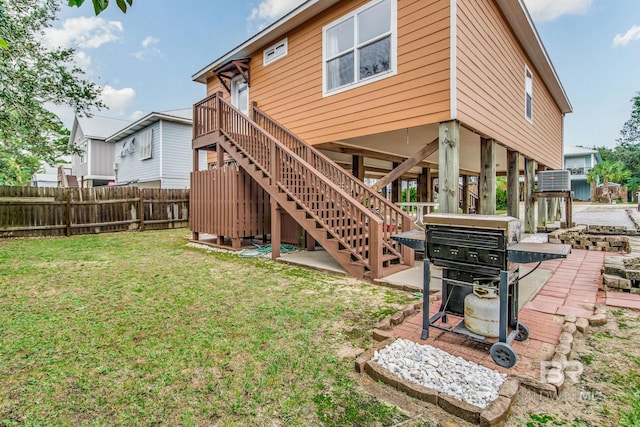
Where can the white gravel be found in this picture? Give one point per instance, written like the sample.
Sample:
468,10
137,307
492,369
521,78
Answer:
431,367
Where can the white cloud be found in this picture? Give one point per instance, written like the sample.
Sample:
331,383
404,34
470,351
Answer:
137,114
84,32
149,40
628,37
148,49
548,10
82,60
270,10
118,100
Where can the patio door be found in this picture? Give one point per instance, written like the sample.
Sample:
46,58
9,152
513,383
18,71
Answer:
240,94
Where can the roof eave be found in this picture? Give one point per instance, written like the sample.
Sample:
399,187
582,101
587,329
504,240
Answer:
144,122
270,34
525,30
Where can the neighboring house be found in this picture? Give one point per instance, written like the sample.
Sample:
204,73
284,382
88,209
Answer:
94,166
47,176
579,161
154,151
447,89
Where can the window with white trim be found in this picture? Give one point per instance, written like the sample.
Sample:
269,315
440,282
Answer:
146,144
360,47
84,148
275,52
528,94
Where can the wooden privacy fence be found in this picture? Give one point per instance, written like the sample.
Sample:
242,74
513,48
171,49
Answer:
38,211
226,202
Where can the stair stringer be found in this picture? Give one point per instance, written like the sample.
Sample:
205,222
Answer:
342,255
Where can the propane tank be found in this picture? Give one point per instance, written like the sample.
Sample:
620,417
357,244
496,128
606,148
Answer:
482,311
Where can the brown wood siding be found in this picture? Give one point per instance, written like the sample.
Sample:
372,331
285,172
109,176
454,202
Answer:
290,89
490,86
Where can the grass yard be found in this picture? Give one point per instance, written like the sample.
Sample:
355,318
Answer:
137,328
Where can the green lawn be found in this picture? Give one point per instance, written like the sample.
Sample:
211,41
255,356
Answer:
137,328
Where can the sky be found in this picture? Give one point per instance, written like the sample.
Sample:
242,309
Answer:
144,59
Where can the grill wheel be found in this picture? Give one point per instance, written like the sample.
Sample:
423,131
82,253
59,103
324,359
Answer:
503,354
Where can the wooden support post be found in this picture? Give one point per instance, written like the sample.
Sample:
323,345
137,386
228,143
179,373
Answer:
310,242
465,194
357,167
407,195
449,167
219,156
542,212
141,209
529,201
568,209
552,209
196,160
487,182
423,185
513,183
396,187
276,229
69,212
430,180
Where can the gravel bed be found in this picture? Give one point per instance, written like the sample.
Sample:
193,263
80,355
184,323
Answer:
431,367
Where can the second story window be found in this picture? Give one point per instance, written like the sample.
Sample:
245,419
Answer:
528,94
360,47
84,147
146,145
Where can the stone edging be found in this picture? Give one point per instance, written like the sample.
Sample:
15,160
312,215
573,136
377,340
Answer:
559,368
495,414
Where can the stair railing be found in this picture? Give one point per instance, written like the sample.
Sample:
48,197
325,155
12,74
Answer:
354,226
395,219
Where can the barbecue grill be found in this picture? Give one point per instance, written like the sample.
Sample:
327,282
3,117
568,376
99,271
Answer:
481,252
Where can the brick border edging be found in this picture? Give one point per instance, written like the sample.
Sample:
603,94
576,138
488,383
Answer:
564,350
495,414
384,328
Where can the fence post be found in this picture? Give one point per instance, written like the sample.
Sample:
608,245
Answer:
69,213
141,209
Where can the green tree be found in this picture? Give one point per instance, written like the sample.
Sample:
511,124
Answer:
606,172
630,133
32,76
101,5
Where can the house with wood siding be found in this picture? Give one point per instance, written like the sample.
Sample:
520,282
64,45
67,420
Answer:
443,92
154,151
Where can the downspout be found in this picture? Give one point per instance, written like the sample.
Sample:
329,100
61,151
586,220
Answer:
160,150
453,57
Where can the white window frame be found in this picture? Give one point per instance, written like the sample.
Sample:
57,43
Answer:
528,92
146,144
84,155
274,49
393,34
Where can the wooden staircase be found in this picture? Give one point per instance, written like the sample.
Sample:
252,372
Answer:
351,222
65,180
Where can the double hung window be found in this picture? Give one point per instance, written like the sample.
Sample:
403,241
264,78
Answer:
360,47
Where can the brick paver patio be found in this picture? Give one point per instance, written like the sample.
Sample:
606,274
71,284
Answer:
571,289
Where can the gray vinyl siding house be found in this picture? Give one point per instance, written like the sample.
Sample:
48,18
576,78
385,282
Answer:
155,151
93,167
579,161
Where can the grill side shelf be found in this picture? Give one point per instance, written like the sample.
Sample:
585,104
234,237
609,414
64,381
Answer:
526,252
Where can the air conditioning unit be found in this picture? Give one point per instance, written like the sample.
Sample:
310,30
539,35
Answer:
555,180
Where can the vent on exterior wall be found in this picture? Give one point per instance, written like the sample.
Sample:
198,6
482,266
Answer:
556,180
